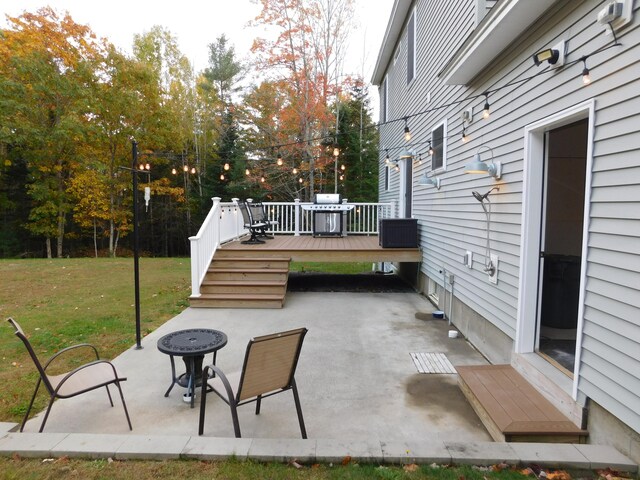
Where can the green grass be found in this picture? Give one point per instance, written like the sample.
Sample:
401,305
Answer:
67,301
326,267
24,469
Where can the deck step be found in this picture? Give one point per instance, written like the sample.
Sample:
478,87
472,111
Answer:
244,286
511,409
227,300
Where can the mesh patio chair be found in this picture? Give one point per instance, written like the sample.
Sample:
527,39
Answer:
90,376
259,214
255,228
269,366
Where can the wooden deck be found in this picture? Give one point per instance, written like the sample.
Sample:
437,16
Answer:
511,409
306,248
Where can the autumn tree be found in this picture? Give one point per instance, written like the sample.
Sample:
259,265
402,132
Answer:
45,73
306,59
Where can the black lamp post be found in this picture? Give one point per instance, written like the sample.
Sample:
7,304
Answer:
136,262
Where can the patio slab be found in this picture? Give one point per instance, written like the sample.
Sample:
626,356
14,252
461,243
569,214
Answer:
152,447
88,445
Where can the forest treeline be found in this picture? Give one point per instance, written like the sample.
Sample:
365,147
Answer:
71,105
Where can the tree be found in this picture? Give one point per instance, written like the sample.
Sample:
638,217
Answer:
45,72
307,55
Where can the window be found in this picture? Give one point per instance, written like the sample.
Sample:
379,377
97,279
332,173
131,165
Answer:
386,178
439,146
383,100
411,47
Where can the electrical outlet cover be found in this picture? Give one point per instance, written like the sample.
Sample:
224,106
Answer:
494,260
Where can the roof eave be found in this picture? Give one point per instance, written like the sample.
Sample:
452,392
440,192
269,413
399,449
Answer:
393,31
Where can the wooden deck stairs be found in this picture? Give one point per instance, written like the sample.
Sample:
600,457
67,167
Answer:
234,280
512,410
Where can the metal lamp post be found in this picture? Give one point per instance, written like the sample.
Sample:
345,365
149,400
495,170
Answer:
136,262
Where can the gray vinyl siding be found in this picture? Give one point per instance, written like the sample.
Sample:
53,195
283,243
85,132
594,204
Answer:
451,221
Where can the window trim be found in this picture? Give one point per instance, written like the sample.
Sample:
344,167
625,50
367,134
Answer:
443,167
386,178
411,47
384,100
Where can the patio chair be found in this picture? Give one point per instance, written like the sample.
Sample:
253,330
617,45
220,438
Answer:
259,214
255,228
87,377
269,367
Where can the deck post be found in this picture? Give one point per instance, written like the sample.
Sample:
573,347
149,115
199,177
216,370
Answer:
235,202
297,218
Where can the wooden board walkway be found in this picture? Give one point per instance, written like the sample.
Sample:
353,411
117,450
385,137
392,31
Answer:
511,409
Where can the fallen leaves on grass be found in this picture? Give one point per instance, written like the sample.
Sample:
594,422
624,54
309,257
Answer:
412,467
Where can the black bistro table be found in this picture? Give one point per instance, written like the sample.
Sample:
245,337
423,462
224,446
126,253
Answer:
192,345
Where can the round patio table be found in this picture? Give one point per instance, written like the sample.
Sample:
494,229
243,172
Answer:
192,345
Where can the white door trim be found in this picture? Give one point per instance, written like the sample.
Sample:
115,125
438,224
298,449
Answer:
531,221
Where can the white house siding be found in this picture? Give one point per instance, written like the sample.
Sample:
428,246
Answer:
451,220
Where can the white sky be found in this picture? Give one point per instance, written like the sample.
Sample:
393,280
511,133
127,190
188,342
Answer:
196,23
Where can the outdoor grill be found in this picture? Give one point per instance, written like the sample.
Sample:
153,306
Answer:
328,214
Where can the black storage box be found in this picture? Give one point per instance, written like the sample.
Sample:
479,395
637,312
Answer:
398,233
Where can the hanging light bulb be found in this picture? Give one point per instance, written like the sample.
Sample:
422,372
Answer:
294,171
336,151
222,176
300,180
279,160
141,167
185,168
247,172
342,167
397,168
174,171
226,166
387,159
193,170
407,132
430,149
464,135
586,77
341,177
262,179
487,109
147,166
419,159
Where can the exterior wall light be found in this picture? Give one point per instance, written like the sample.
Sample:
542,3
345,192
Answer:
435,181
549,55
478,166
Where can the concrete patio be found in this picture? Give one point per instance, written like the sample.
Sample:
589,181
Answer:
361,395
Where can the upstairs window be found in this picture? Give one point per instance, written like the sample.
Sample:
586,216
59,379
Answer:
383,100
411,47
438,144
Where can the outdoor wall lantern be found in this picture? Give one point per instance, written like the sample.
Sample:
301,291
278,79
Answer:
478,166
549,55
435,181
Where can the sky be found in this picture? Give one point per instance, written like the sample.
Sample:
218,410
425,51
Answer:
196,23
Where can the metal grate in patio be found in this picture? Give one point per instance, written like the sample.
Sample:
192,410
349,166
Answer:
432,363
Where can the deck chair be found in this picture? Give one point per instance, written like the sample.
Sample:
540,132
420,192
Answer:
259,215
269,367
87,377
255,228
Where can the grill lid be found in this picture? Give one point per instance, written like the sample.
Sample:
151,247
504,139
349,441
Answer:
327,198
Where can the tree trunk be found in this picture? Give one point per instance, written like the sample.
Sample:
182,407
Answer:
60,234
48,243
95,238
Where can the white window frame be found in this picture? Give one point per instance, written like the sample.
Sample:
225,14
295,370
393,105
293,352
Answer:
443,167
386,177
411,47
384,100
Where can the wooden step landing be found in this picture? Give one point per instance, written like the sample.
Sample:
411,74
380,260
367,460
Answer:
511,409
237,300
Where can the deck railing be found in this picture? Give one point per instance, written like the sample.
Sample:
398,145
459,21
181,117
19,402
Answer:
224,223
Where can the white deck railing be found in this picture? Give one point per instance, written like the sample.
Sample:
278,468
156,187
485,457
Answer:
224,223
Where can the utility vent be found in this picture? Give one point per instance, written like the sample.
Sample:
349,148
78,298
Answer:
432,363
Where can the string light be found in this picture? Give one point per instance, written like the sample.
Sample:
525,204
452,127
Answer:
300,180
185,168
247,172
227,166
174,171
407,132
586,77
222,176
464,135
342,167
341,177
419,159
430,149
262,179
486,112
387,160
193,170
279,160
336,151
294,171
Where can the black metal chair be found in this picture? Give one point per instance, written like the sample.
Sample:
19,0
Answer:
87,377
255,228
269,366
259,215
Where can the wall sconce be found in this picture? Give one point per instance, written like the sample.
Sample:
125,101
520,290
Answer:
435,181
478,166
406,154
